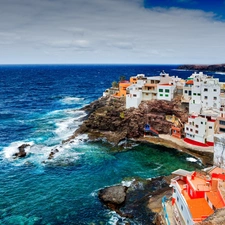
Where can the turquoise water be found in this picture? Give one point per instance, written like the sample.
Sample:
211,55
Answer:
40,105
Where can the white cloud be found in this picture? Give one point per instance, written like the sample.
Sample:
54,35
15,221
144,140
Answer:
107,31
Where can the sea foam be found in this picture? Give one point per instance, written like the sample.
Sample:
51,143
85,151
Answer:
71,100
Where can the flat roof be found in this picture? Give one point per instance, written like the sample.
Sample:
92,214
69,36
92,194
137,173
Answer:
199,207
150,85
182,172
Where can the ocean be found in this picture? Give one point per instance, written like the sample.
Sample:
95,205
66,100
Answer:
40,105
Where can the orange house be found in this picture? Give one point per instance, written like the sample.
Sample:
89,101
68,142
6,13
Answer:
176,132
122,88
133,80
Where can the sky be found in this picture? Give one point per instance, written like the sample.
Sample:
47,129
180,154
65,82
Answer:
112,31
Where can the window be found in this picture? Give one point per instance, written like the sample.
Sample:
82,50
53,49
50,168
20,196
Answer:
166,95
222,122
134,95
222,130
214,90
201,122
167,90
205,97
210,127
185,91
214,98
189,93
187,128
160,90
196,125
161,95
181,207
146,94
205,89
194,93
191,130
199,94
196,131
174,190
177,198
193,101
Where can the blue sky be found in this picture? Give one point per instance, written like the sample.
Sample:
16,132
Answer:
215,6
112,31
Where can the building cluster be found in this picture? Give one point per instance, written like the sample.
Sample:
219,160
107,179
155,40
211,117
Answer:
141,88
203,95
196,195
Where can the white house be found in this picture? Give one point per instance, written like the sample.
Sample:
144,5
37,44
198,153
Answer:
200,129
186,97
149,90
165,91
134,94
205,93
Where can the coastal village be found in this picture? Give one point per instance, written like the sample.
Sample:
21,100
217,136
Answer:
197,195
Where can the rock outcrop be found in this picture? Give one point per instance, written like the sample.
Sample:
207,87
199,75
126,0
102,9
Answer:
22,153
213,68
115,194
108,118
133,202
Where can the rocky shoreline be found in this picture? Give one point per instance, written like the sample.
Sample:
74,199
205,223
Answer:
108,119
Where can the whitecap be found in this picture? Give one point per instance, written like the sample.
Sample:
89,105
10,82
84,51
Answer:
71,100
114,218
13,148
220,73
190,159
127,183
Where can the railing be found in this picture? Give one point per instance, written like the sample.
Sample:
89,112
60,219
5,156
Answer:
164,199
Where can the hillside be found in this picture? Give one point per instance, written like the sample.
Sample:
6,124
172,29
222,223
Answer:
213,68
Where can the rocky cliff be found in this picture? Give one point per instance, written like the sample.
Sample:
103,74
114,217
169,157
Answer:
214,68
108,118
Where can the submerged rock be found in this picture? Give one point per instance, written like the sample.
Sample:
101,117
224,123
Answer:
22,153
52,153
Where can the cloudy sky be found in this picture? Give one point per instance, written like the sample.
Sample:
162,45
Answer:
112,31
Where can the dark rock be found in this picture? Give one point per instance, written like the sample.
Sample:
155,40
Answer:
115,195
22,153
52,153
136,199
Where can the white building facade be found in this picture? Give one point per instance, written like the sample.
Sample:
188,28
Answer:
205,94
200,129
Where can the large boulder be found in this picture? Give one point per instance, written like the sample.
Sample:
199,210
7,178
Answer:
115,195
